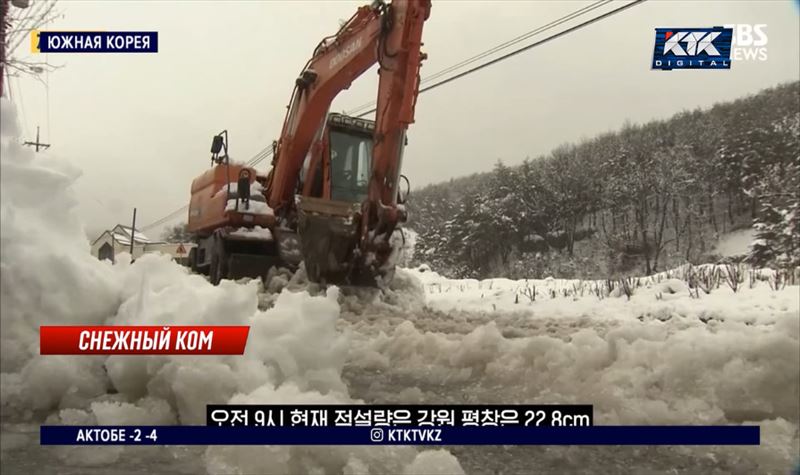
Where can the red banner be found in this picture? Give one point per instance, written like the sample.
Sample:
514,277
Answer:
142,340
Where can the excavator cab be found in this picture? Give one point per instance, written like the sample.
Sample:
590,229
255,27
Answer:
341,167
335,187
350,147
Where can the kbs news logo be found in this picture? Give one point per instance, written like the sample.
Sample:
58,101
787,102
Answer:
693,48
749,42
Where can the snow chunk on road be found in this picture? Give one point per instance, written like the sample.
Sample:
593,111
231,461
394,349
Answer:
295,341
434,462
673,287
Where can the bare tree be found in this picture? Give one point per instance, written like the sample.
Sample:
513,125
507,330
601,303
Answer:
17,25
177,233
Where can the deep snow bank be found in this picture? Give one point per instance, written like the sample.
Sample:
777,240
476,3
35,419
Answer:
46,275
294,352
660,357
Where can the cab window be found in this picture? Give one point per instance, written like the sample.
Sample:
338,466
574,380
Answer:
351,157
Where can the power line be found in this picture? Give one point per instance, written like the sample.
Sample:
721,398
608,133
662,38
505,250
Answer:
47,85
263,155
519,39
523,49
21,103
260,156
166,218
501,46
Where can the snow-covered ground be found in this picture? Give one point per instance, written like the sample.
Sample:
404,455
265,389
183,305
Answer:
660,357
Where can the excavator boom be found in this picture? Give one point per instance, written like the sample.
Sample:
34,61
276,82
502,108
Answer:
337,244
388,34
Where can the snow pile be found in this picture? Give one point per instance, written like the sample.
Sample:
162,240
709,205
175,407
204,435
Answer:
47,275
661,294
294,354
255,188
251,207
403,242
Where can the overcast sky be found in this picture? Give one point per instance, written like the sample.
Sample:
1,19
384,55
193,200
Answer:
140,125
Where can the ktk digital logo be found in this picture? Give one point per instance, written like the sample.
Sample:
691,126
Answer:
693,48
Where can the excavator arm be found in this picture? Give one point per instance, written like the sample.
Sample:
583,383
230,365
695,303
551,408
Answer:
336,247
388,34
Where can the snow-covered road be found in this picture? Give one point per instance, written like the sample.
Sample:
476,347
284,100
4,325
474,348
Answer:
728,358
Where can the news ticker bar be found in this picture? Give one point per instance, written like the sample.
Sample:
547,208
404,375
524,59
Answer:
382,415
510,435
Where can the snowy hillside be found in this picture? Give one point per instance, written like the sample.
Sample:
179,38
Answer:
644,197
660,357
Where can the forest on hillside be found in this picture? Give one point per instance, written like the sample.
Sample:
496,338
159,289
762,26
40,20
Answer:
635,200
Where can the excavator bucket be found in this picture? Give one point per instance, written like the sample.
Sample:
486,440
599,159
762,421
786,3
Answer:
329,239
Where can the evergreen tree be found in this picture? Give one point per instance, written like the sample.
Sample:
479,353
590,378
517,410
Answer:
763,249
655,194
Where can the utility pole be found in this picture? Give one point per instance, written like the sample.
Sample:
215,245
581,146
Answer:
4,5
113,248
37,144
133,231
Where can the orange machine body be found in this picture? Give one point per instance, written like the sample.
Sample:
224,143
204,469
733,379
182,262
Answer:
342,236
210,198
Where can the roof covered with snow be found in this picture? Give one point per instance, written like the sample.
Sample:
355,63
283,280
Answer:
122,235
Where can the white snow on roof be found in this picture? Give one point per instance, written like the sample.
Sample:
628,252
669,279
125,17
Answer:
125,233
122,235
121,238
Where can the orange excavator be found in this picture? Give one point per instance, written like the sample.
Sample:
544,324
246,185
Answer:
333,198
